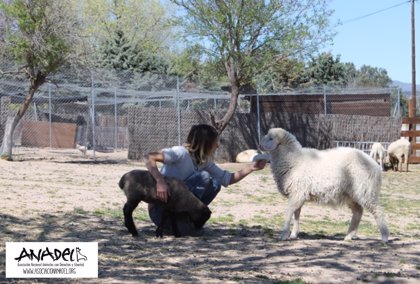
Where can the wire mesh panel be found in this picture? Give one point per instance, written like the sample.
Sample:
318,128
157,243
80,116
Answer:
90,110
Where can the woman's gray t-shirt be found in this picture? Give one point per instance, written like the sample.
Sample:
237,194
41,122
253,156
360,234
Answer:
178,163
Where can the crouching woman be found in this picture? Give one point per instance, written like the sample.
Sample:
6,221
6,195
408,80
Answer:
192,163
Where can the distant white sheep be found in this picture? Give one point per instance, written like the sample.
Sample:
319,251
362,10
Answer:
251,155
332,177
246,156
398,153
378,154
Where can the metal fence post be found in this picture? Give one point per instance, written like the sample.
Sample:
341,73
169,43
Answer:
325,100
115,120
258,118
93,116
49,115
178,110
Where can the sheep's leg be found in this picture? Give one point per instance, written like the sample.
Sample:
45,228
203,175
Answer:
357,211
128,217
295,230
377,213
381,162
292,207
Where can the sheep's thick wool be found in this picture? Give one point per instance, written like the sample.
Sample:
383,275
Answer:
334,177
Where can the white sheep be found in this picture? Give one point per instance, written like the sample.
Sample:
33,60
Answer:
333,177
251,155
246,156
398,153
378,153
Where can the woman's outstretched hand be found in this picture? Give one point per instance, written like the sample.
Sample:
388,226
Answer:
259,165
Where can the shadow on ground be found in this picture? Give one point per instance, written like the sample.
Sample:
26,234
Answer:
221,254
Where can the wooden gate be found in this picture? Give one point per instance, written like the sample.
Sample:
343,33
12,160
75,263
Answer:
414,136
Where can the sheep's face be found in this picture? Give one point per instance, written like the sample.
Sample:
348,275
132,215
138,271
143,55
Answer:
272,139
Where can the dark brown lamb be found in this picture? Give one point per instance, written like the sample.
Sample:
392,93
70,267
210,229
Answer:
140,185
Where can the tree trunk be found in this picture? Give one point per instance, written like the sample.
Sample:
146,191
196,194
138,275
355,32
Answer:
221,124
232,73
7,145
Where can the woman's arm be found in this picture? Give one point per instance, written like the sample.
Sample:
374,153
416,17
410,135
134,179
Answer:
255,166
150,160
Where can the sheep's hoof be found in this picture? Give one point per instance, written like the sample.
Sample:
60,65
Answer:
348,238
284,236
293,236
135,234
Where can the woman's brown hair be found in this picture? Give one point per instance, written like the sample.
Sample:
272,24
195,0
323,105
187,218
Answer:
200,141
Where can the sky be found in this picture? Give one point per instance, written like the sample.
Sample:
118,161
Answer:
369,36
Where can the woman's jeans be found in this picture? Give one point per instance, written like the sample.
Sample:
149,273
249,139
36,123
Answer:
204,187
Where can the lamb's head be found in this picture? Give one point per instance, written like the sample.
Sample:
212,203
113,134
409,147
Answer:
278,137
201,216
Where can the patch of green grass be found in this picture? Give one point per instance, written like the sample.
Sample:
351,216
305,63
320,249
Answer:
264,178
400,206
234,188
79,210
323,226
114,212
51,193
413,227
225,203
328,227
226,219
266,221
108,212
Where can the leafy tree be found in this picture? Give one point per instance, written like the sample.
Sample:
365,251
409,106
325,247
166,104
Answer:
350,74
197,72
40,36
287,74
188,63
326,70
131,35
116,53
368,76
119,54
248,36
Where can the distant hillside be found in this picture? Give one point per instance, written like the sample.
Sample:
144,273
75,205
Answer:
405,87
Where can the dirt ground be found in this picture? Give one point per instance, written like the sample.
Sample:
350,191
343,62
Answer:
63,195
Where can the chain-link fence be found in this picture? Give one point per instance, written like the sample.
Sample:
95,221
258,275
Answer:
89,110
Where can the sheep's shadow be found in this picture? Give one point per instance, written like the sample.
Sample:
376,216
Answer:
221,253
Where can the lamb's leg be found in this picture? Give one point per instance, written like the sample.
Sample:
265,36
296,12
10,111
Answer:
174,225
295,230
163,216
357,211
377,213
128,216
292,207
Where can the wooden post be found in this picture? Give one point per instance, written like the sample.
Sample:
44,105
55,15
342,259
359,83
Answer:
412,103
